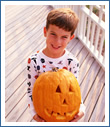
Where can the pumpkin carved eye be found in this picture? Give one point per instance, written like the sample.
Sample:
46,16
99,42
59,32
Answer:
58,90
71,89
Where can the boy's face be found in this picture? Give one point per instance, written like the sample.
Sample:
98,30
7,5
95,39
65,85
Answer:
56,40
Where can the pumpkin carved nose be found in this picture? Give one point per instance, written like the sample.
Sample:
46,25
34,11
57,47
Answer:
64,102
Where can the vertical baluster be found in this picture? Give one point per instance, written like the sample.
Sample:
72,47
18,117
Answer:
81,27
96,38
89,23
72,7
100,13
82,21
103,59
84,29
76,10
88,29
92,34
101,43
91,8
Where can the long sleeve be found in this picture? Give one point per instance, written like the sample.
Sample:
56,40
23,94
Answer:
31,77
74,68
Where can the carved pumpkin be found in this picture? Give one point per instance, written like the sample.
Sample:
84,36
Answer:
56,96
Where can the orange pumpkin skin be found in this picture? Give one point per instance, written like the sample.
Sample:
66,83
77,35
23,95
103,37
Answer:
56,96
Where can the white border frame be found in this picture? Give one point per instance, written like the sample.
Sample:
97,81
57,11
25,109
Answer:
3,4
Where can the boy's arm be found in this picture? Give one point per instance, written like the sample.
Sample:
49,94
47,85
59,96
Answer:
31,74
75,71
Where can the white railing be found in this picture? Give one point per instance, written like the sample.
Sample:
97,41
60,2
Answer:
91,29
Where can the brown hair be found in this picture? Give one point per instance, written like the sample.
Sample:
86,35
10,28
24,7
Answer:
64,18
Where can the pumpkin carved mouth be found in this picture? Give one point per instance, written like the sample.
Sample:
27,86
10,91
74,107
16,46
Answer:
58,115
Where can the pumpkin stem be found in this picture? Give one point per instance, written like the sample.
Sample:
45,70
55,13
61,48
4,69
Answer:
54,69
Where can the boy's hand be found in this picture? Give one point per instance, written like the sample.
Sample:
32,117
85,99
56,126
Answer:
38,118
78,117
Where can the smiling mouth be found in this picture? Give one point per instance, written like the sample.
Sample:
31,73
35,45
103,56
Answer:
58,115
54,47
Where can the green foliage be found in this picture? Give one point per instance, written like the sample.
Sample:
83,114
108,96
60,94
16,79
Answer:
88,6
95,10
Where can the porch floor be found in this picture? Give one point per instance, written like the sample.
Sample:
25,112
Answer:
24,35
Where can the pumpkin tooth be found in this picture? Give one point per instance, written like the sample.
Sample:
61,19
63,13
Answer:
64,113
60,117
54,114
71,113
51,112
47,113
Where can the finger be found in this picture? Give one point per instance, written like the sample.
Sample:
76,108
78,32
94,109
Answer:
75,120
76,116
40,119
37,118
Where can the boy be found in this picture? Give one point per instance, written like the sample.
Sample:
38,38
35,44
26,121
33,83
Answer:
60,26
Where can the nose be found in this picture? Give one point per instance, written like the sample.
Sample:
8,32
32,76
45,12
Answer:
58,41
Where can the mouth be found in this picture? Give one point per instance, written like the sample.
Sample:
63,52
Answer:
51,113
55,47
58,115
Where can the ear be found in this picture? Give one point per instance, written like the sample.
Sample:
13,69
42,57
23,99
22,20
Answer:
45,31
72,37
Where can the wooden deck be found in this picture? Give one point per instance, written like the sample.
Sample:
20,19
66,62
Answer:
24,35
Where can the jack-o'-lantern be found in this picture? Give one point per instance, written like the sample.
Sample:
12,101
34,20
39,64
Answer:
56,96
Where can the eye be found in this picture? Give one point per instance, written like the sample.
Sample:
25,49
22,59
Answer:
64,37
53,34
